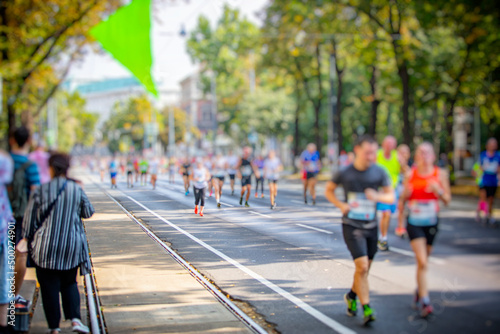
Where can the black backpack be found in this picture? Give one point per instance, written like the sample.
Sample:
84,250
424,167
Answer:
17,190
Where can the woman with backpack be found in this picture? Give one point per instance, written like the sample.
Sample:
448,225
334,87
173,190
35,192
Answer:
57,243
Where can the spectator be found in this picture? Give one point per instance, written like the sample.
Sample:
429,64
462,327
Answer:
53,224
41,157
6,173
26,179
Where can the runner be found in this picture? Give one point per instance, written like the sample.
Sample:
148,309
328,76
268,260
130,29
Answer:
311,164
172,166
130,173
232,161
136,169
246,169
424,185
272,169
387,158
153,170
220,167
143,167
200,178
186,172
259,164
490,165
208,163
361,182
404,158
102,168
113,172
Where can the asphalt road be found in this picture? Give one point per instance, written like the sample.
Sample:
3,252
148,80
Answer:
292,266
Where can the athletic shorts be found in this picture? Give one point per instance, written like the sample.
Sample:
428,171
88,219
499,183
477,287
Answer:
311,175
113,175
427,232
221,178
129,172
232,176
360,242
272,181
185,174
144,173
246,181
490,190
389,207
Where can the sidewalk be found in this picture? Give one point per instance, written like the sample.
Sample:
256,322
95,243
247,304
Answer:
142,289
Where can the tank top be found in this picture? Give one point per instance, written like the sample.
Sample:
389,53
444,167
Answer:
200,178
423,205
245,168
391,165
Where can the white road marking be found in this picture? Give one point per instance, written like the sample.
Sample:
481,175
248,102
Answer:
260,214
411,254
295,201
314,228
285,294
229,205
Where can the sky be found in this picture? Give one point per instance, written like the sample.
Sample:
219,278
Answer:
171,61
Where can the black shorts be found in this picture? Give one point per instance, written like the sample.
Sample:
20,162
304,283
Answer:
246,181
311,175
185,174
427,232
490,190
232,176
272,181
129,172
360,242
221,178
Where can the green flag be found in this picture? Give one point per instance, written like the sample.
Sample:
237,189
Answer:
126,35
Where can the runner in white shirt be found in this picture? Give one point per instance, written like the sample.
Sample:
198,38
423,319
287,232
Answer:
220,167
199,177
233,162
207,162
153,170
272,169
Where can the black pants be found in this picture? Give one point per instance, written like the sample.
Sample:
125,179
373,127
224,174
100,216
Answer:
199,196
260,181
53,282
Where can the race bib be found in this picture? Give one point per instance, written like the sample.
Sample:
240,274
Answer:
361,207
313,166
490,167
423,213
246,170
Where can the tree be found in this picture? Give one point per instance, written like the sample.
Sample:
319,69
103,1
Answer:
38,35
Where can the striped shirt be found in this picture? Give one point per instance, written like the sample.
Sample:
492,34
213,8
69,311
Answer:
60,243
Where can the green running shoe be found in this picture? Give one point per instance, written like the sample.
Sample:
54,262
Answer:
368,316
352,305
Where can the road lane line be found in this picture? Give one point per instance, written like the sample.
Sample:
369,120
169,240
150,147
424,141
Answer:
260,214
411,254
285,294
295,201
229,205
314,228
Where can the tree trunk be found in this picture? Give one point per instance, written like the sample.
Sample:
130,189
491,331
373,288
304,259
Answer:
375,103
296,138
405,80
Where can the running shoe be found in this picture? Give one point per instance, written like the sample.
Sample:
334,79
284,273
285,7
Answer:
426,311
401,232
211,192
274,205
305,199
416,301
241,200
195,210
383,245
247,205
232,192
218,205
201,214
262,196
352,305
186,193
314,201
79,327
256,196
368,316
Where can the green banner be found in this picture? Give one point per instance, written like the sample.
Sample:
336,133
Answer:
126,35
